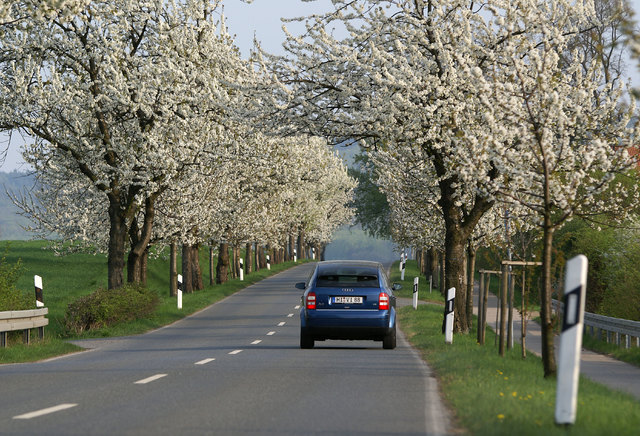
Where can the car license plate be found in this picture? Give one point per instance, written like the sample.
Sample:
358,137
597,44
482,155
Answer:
347,300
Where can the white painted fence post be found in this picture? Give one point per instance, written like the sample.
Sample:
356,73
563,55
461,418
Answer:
575,284
447,325
241,269
179,291
415,293
37,281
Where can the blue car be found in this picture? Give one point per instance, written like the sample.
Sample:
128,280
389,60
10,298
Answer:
350,300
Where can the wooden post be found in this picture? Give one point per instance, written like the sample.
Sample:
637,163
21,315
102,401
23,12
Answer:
485,302
480,309
503,308
510,316
523,317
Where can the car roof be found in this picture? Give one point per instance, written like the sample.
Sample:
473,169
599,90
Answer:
366,263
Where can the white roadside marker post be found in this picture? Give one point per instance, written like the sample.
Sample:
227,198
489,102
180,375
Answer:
179,291
295,255
241,270
415,293
575,284
403,265
268,263
37,281
447,324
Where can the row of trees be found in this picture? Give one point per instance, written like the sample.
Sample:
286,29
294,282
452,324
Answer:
149,129
470,111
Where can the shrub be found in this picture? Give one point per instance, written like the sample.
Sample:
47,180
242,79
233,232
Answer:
11,298
106,307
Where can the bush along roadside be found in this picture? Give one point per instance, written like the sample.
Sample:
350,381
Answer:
12,298
107,307
491,395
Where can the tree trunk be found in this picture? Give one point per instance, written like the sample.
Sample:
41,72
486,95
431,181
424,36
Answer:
117,238
212,279
139,238
196,271
301,245
291,247
222,268
432,267
187,274
548,351
454,277
470,283
261,261
248,258
173,270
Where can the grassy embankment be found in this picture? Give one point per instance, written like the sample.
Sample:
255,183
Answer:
69,277
491,395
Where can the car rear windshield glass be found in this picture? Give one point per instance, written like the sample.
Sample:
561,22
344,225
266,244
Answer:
353,278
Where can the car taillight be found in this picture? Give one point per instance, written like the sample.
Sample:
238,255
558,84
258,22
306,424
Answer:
311,300
383,301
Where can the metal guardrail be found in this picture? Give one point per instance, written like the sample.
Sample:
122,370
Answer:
24,320
614,328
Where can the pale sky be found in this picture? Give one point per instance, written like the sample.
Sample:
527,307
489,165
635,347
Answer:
262,18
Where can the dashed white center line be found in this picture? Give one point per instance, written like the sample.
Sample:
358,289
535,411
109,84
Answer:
144,381
297,307
205,361
236,352
290,315
271,333
281,324
256,342
46,411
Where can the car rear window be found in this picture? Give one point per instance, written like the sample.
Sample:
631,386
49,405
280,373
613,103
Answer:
354,278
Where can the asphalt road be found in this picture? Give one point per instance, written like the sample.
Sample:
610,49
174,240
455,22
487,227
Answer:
233,368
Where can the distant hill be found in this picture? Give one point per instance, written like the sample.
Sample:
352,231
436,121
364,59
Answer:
10,221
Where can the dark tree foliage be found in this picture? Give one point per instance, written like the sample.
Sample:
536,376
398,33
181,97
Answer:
372,208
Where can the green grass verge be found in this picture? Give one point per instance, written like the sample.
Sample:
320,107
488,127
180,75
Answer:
411,271
68,277
504,396
631,355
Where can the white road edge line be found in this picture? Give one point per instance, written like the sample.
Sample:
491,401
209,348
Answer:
256,342
236,352
290,315
271,333
297,307
46,411
150,379
281,324
205,361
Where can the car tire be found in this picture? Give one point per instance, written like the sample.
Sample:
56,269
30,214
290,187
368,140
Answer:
389,340
306,341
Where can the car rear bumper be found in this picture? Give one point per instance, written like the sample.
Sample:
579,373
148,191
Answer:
340,324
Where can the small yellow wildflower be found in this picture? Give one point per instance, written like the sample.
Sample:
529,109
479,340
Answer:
501,417
514,394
